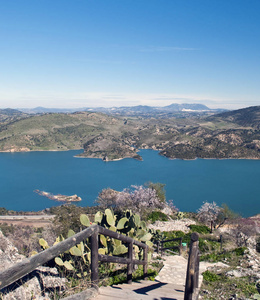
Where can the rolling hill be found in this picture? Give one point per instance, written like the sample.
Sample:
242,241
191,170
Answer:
246,117
227,135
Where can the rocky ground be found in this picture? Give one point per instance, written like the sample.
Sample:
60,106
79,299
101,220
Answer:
37,285
234,282
181,225
26,220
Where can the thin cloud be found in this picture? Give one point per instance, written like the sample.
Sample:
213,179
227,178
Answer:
101,61
165,49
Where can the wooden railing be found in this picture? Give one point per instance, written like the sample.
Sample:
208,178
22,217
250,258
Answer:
28,265
160,245
192,275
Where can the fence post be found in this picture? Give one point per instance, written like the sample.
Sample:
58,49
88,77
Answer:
221,241
197,270
158,247
180,247
130,265
192,268
146,260
94,259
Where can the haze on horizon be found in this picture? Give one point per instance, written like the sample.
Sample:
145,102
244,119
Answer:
72,54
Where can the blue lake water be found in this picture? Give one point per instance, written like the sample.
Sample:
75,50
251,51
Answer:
188,183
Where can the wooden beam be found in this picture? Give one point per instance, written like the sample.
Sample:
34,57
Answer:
94,259
113,259
130,264
119,236
192,267
29,264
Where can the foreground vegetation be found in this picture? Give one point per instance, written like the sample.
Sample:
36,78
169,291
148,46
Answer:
224,237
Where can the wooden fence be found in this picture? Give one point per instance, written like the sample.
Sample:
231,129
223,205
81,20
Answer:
28,265
160,245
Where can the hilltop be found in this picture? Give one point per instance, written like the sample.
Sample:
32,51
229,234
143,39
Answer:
246,117
9,115
226,135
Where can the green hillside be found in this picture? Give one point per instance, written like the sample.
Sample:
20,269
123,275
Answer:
54,131
249,116
229,135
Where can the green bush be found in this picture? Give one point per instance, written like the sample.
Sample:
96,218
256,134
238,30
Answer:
240,251
7,229
157,216
202,229
211,277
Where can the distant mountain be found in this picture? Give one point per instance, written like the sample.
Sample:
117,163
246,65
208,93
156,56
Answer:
157,111
249,116
142,110
44,110
186,107
9,114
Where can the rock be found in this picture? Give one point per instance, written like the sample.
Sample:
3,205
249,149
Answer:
37,285
234,273
8,253
182,225
167,210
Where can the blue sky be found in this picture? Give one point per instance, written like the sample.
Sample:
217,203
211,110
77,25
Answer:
83,53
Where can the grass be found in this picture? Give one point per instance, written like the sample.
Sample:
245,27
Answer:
231,257
223,287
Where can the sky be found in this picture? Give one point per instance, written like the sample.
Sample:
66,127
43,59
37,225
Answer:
89,53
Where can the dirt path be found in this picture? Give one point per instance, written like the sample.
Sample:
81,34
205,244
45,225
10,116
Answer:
32,220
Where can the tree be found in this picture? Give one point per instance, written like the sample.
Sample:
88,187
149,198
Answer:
225,214
137,198
208,213
107,198
246,230
159,188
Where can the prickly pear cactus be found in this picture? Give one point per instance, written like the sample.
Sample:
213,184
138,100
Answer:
77,259
128,223
68,260
180,215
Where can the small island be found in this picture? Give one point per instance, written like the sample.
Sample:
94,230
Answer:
59,197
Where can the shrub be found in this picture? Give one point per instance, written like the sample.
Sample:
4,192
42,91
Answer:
240,251
157,216
200,229
211,277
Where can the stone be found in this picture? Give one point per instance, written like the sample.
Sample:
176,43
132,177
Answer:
36,285
234,273
182,225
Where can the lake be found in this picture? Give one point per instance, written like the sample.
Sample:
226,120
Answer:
188,183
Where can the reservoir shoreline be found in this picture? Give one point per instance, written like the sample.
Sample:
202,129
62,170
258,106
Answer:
189,183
